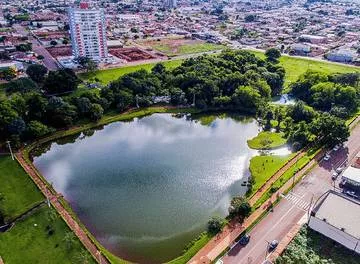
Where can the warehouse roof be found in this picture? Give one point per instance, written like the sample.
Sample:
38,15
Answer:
341,212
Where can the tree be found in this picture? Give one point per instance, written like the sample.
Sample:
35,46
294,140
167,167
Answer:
96,112
37,72
7,115
87,63
8,74
246,97
330,130
53,43
301,88
215,224
273,55
21,85
24,47
250,18
37,129
17,126
61,81
240,207
323,95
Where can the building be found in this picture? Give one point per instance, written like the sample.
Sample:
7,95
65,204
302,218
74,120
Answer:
170,4
312,39
337,217
351,177
88,32
341,55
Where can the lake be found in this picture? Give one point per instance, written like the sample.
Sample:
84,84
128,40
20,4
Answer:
146,188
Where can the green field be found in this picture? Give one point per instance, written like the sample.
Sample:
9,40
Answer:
106,76
295,66
17,191
30,241
187,48
39,238
266,140
311,247
263,167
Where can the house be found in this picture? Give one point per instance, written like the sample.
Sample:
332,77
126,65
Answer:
337,217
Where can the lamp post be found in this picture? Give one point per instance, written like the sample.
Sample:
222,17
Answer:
12,155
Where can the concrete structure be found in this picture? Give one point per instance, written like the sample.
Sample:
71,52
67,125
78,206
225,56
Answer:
170,4
337,217
88,32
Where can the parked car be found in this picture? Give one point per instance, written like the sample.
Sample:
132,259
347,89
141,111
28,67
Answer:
351,194
273,245
339,170
244,240
336,148
327,157
334,176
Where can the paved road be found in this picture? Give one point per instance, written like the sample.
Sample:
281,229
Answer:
294,206
48,60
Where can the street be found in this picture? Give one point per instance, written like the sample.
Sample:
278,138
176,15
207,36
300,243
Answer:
294,206
48,60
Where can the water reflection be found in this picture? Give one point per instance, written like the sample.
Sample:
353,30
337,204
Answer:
146,188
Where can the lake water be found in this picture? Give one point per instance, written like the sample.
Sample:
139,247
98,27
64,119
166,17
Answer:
146,188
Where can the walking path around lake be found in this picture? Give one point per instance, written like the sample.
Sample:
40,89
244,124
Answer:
68,218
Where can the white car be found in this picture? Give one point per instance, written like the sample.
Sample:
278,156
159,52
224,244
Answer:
327,157
336,148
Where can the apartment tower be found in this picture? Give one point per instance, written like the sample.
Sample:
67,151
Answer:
88,32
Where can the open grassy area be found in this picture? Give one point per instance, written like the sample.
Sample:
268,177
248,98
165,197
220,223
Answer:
311,247
295,66
263,167
187,48
17,191
106,76
40,238
267,140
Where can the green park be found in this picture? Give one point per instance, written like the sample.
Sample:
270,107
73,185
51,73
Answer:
207,101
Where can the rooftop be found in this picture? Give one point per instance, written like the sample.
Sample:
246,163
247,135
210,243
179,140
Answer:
340,212
352,174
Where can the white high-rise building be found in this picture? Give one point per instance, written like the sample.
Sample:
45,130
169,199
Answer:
88,32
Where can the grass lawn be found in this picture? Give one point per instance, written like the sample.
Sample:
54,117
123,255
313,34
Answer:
2,90
311,247
106,76
17,190
29,241
26,242
187,48
296,66
266,140
263,167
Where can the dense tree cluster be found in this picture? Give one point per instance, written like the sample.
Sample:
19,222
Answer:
324,103
232,80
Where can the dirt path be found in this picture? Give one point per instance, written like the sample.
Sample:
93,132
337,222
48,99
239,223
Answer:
71,222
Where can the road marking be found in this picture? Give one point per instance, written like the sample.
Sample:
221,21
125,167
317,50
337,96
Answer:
273,227
304,205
